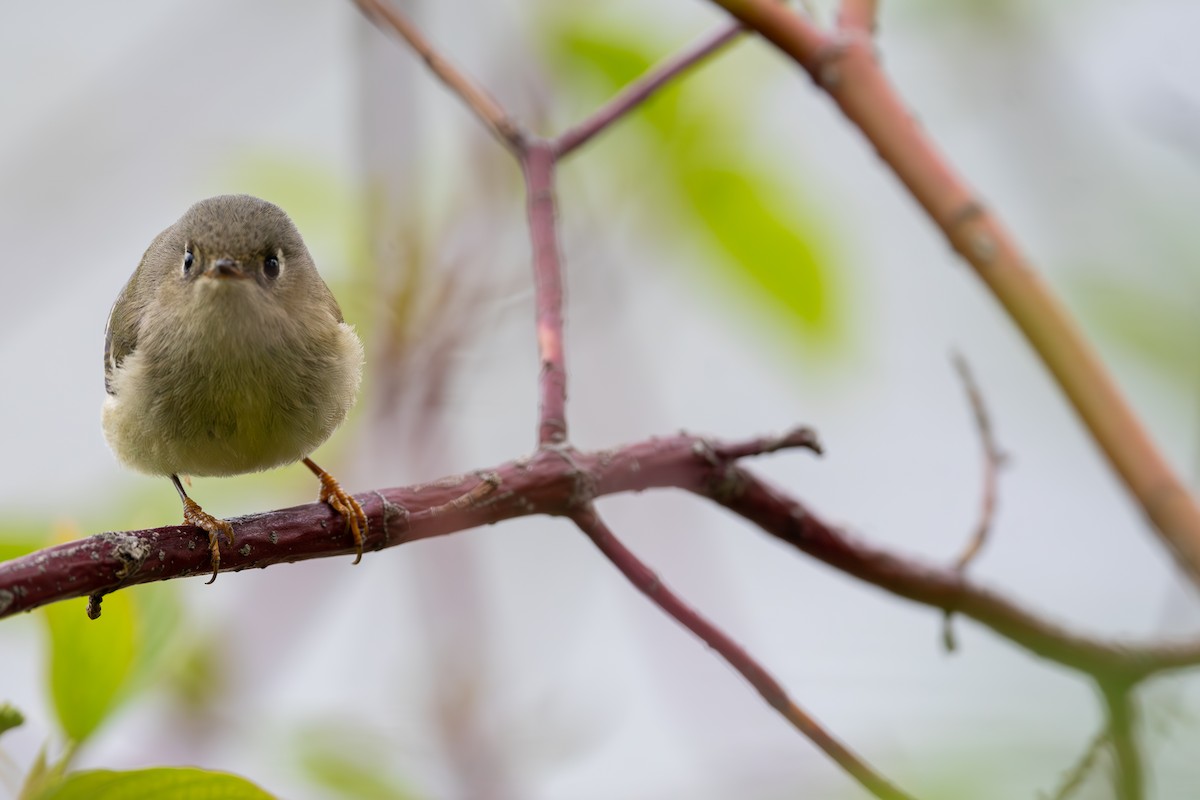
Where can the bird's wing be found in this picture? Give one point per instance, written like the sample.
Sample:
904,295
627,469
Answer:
120,334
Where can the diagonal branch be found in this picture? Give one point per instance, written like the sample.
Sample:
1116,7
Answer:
543,483
547,483
1079,772
641,89
845,66
490,113
944,588
649,584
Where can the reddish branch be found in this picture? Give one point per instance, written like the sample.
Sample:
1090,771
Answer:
557,480
939,587
562,483
844,64
537,161
547,482
642,88
649,584
490,113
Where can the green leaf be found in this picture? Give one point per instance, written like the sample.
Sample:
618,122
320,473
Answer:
163,783
10,717
352,779
157,625
781,258
90,661
21,538
198,674
688,149
348,765
616,61
1155,318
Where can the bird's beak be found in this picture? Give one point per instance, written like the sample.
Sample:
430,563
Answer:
225,268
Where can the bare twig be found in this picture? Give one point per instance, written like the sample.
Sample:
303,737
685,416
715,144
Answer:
938,587
495,118
488,483
1078,773
993,460
649,584
538,164
641,89
546,483
846,67
543,483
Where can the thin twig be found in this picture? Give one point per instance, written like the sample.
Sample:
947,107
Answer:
490,113
847,68
993,460
1074,777
537,158
538,162
943,588
488,484
641,89
805,438
649,584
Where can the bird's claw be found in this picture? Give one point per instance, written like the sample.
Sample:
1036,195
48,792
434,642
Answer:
345,505
193,514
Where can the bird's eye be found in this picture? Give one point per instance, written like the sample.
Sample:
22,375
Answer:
271,267
188,260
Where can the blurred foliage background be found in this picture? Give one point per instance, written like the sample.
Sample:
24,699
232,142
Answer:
738,261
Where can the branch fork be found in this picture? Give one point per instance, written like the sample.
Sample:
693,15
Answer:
558,480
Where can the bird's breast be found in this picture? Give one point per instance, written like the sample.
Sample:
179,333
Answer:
240,396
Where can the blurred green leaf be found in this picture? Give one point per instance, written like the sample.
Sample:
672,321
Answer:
90,661
612,59
21,538
761,238
157,624
164,783
349,765
198,675
10,717
354,779
327,210
95,665
782,258
1156,319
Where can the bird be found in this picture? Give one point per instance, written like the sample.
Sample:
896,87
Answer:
226,353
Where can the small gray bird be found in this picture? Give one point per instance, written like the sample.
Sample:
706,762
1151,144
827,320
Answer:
226,353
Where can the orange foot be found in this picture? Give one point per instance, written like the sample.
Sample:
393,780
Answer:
193,514
341,502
